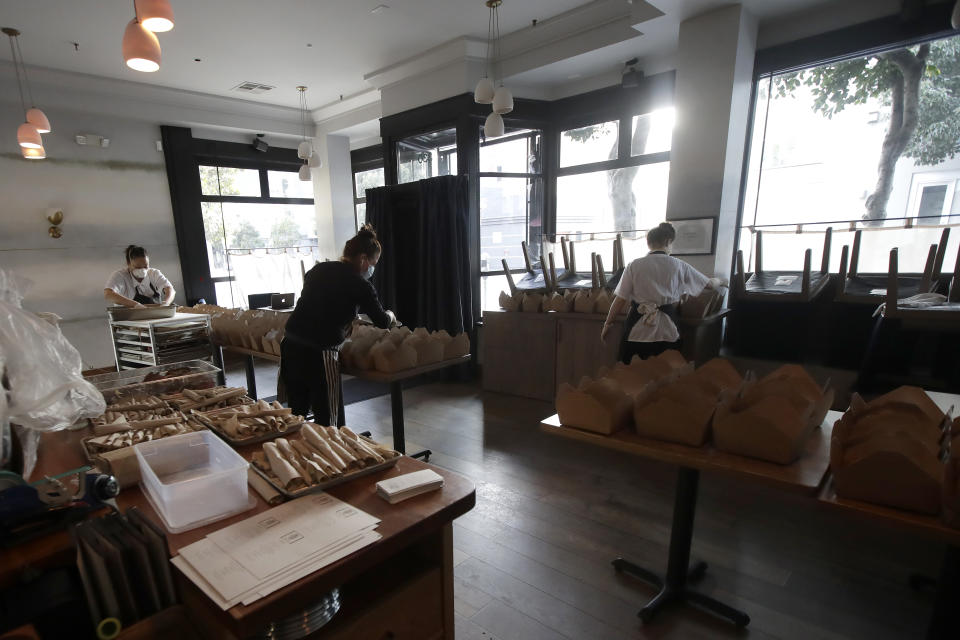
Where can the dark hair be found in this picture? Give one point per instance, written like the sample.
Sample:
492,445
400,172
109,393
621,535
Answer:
661,235
365,243
133,252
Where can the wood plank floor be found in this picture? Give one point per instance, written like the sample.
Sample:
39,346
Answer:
533,558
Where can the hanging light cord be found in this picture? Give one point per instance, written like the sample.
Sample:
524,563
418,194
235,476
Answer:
16,69
489,66
496,23
26,77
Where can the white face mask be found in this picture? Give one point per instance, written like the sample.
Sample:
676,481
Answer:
369,272
139,273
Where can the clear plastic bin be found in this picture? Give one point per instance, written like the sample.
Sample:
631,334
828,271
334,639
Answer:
192,479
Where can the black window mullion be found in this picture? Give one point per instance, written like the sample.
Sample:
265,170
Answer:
625,135
264,184
255,200
606,165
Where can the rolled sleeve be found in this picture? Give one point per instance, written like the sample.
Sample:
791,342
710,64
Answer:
625,286
116,284
693,281
160,281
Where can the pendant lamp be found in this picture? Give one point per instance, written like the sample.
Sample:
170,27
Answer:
33,153
38,119
315,162
155,15
141,49
304,172
35,120
502,100
483,94
305,150
493,126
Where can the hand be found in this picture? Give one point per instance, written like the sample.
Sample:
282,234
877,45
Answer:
604,332
137,305
393,319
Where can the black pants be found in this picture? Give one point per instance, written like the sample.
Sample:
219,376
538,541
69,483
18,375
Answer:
312,380
644,349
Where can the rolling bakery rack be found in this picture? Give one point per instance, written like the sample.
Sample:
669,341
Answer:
160,341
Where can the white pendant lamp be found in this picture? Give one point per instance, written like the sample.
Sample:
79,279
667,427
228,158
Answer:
493,126
155,15
304,173
483,94
29,137
38,119
305,150
502,100
141,49
33,153
315,162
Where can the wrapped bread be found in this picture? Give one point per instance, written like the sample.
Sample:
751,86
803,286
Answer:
584,301
890,451
602,301
289,477
600,406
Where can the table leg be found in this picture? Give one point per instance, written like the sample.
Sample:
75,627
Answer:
944,621
673,588
251,377
218,361
399,437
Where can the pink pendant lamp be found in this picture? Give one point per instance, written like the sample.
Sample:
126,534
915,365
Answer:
141,49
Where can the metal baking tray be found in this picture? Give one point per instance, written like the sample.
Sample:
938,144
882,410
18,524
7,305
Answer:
323,486
202,375
146,313
91,456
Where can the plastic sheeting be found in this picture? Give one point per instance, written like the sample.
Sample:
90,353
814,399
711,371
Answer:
43,389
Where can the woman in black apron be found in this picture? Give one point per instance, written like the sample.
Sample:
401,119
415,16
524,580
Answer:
137,284
652,286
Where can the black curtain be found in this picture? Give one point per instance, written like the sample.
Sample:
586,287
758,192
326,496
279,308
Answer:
424,272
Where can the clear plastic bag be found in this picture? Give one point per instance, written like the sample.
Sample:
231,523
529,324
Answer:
44,388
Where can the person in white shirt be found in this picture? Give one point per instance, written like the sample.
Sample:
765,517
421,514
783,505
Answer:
137,284
652,286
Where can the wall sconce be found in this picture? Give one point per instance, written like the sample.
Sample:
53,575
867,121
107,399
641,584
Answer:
55,218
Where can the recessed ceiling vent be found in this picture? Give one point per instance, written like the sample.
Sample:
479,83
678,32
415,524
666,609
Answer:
252,87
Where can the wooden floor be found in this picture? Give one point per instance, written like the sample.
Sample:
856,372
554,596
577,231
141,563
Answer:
533,557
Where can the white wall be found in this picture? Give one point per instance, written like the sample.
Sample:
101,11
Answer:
110,198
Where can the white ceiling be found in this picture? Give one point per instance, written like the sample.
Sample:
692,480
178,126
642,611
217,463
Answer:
267,41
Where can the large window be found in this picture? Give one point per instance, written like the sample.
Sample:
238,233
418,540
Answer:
363,180
818,158
511,207
613,177
427,155
259,225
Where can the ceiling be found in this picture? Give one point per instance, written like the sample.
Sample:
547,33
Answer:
327,45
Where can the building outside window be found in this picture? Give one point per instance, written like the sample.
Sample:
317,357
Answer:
817,159
363,180
259,226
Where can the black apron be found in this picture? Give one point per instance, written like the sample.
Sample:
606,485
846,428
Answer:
142,299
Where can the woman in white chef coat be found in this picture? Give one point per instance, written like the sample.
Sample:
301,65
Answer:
652,286
137,284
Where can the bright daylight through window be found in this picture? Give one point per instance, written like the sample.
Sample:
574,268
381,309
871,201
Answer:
835,145
256,239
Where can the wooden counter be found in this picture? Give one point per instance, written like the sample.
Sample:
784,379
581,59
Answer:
400,585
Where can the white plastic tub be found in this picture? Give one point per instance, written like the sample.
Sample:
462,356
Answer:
192,479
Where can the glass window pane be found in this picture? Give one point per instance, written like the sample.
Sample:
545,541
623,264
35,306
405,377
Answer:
370,179
225,295
229,181
508,206
427,155
521,155
269,226
652,132
595,143
490,288
361,214
215,239
286,184
616,200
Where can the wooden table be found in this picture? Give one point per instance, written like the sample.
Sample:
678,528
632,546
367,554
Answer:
395,380
400,585
804,476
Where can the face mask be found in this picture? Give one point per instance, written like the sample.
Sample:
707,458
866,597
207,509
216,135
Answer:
369,272
139,273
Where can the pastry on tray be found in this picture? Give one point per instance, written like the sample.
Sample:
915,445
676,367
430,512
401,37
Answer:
250,421
319,455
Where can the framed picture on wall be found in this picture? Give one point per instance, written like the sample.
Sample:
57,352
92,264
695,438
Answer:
695,237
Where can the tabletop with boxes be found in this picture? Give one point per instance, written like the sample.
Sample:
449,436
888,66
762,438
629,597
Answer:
898,450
